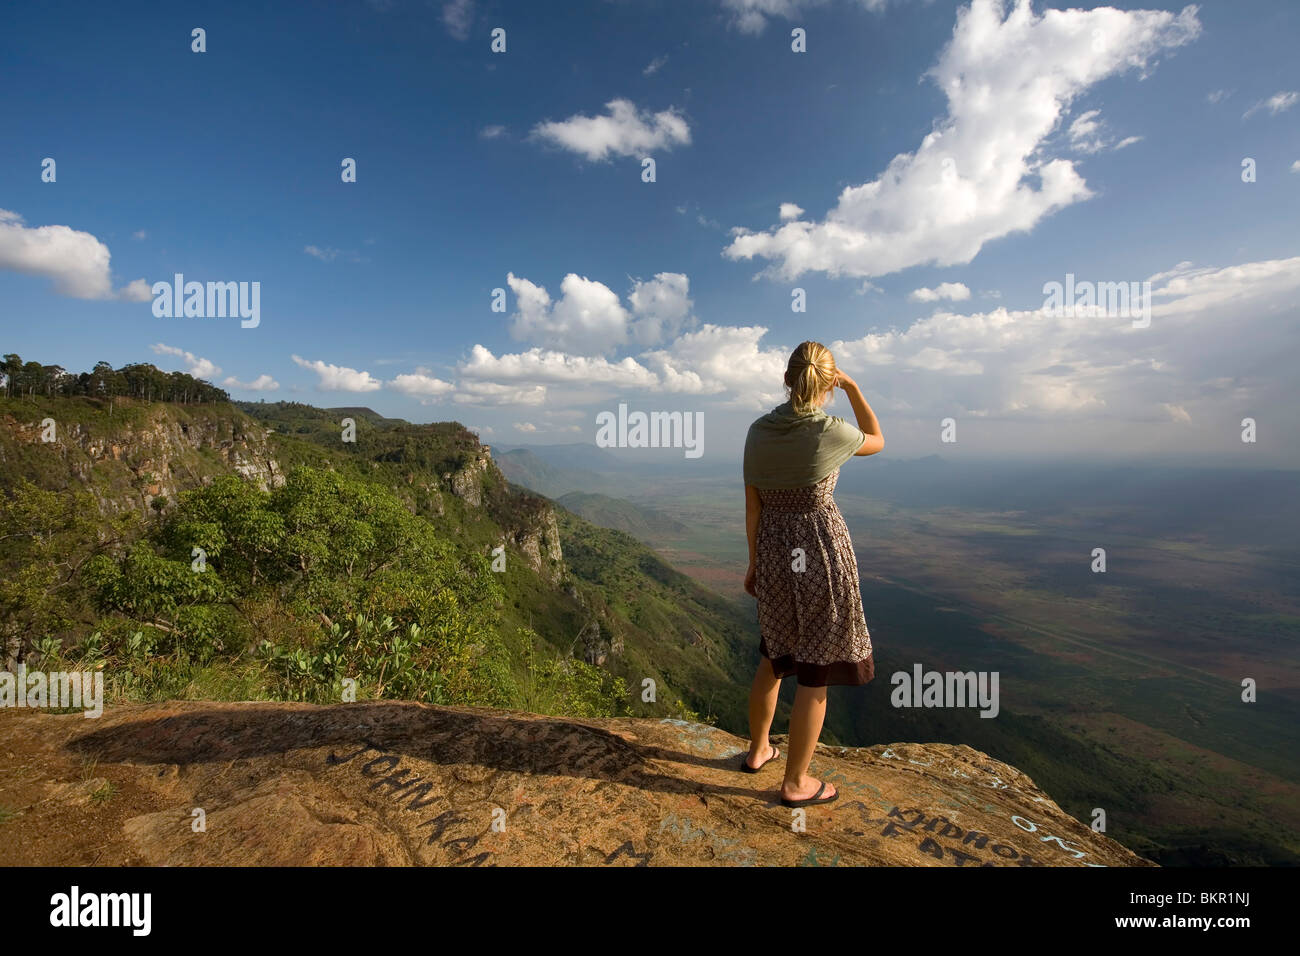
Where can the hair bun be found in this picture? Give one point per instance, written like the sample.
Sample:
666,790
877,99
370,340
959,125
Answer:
809,374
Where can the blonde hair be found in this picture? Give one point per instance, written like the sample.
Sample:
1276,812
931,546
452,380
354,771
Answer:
811,373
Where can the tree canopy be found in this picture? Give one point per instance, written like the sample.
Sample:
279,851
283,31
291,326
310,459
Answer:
137,380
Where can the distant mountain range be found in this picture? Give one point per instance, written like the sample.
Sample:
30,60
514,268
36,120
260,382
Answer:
641,523
525,467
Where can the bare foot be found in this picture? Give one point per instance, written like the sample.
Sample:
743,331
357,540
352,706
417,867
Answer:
752,764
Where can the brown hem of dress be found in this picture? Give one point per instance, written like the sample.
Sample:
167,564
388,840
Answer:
836,674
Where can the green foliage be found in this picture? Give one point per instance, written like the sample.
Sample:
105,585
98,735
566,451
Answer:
682,712
689,639
45,538
437,665
434,448
140,380
362,565
338,527
229,520
104,792
323,548
569,687
146,664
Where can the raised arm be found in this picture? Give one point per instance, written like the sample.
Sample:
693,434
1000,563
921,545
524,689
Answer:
874,441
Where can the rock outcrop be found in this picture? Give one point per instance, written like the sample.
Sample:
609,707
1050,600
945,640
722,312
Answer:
393,783
599,643
529,522
539,542
466,483
166,453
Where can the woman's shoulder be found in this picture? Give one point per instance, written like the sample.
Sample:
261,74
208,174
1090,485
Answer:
838,423
766,419
831,422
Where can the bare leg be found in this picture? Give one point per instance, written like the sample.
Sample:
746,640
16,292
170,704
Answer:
805,727
762,708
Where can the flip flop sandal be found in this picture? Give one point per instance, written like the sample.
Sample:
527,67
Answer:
815,798
744,761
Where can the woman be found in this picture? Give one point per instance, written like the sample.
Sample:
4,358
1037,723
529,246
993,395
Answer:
801,563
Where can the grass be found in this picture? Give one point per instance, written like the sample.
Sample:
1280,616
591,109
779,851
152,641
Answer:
104,793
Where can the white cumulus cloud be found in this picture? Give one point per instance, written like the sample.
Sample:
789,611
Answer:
1009,77
545,366
1041,365
1030,365
194,365
588,316
622,131
661,307
726,361
497,393
955,291
137,290
263,383
421,384
339,378
76,262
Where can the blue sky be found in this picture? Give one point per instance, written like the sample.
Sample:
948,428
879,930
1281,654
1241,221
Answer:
1107,144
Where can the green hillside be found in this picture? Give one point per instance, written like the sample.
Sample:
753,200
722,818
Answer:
402,560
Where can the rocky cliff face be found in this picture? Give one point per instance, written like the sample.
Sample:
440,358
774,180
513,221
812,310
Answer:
467,483
531,529
393,783
539,541
160,456
161,450
599,643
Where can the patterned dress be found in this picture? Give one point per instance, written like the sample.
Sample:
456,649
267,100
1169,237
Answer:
806,576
